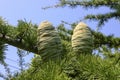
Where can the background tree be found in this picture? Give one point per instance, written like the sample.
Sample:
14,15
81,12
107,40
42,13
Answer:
86,66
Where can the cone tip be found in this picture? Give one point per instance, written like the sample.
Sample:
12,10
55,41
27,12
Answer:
82,24
44,24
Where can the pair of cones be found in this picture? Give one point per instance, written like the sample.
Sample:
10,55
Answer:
49,42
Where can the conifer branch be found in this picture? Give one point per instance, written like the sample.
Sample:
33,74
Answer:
17,43
91,3
101,39
102,18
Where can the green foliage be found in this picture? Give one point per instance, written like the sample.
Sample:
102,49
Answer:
46,71
3,47
75,67
9,74
65,36
23,36
21,54
88,67
26,32
66,68
84,67
104,66
64,33
114,5
4,27
101,39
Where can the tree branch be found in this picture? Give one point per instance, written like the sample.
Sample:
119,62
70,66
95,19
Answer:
91,3
102,18
18,44
101,39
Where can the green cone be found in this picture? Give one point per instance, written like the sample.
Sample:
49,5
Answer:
82,41
49,43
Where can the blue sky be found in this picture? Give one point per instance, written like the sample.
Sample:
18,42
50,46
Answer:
13,10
